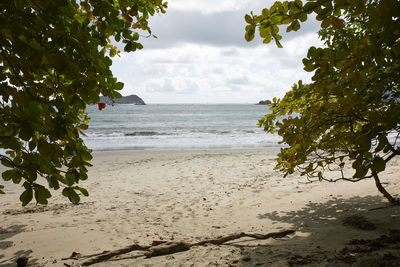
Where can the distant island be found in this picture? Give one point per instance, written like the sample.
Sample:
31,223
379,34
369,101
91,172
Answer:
264,102
130,99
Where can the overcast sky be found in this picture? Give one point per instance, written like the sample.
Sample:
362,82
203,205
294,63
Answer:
201,56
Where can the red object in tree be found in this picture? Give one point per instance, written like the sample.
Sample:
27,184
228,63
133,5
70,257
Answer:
129,18
289,160
101,105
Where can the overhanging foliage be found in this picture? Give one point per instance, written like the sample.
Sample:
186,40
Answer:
350,112
55,60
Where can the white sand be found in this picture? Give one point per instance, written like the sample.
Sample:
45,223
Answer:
138,197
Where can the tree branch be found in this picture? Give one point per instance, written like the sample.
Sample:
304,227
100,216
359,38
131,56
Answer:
159,248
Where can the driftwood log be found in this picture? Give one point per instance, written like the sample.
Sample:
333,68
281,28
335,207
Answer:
159,248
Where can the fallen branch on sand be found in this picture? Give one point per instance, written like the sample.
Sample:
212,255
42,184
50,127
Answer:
159,248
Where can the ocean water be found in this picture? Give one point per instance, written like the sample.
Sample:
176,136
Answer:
177,127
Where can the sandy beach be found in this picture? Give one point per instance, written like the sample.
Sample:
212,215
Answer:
138,197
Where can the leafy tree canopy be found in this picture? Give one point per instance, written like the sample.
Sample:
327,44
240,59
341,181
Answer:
350,112
54,60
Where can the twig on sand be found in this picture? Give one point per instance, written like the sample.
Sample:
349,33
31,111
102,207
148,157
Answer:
159,248
109,254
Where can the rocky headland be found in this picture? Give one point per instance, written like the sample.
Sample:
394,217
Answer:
264,102
130,99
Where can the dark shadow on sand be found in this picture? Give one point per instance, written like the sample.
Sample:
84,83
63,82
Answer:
325,213
318,222
6,233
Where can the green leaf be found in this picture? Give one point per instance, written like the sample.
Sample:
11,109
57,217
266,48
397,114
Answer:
41,194
26,196
267,39
53,182
303,17
296,25
326,23
19,4
249,37
119,86
265,12
25,132
86,156
337,23
83,191
264,33
73,196
276,19
383,142
6,163
45,165
9,174
32,145
35,45
378,164
71,177
65,191
278,44
309,67
312,52
248,19
298,3
83,175
34,110
287,20
360,173
364,142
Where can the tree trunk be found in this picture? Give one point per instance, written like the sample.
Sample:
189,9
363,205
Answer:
381,189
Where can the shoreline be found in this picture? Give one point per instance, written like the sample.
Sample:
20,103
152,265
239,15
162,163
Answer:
141,196
188,151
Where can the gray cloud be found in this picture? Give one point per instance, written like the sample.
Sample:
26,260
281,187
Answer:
220,29
202,57
240,80
229,52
